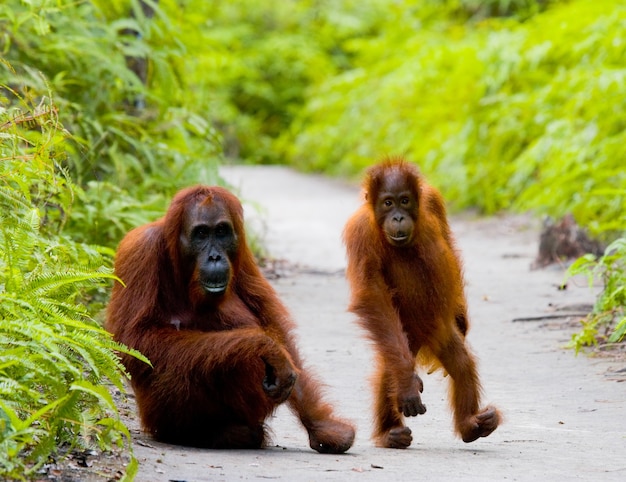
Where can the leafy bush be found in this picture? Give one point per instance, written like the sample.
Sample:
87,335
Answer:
607,321
500,114
55,360
134,141
480,9
257,60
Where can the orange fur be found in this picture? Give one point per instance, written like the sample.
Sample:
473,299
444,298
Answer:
210,355
409,298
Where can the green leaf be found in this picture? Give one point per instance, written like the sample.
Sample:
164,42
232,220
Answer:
99,391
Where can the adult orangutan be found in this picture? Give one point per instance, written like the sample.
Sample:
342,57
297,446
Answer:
220,341
407,290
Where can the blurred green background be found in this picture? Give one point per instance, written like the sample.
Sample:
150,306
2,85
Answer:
504,104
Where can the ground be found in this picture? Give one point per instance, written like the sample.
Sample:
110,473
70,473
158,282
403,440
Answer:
564,414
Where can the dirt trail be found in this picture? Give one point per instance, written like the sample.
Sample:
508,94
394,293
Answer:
564,414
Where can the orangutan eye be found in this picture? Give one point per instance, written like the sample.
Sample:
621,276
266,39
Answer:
222,229
200,232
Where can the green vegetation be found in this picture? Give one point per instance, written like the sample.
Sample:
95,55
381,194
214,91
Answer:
607,322
106,111
500,114
128,160
55,360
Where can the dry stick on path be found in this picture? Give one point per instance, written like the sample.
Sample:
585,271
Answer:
548,317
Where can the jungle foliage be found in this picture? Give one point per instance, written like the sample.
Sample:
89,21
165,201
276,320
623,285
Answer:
506,113
504,105
56,361
134,141
606,324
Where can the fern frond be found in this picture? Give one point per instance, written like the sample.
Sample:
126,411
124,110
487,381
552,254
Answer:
47,283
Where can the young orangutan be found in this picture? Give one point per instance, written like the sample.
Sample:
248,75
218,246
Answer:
407,290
